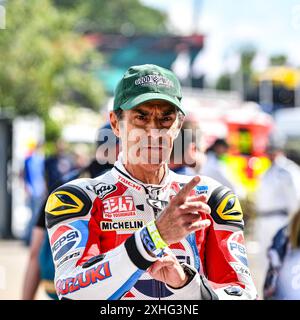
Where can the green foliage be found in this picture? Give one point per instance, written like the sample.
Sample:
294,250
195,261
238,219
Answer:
52,130
278,60
247,54
43,61
115,16
224,82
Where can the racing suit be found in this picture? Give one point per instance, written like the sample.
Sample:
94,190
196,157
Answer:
95,226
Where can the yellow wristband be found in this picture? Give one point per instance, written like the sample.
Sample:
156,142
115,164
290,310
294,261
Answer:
155,236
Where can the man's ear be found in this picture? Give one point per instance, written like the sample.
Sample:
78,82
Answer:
115,124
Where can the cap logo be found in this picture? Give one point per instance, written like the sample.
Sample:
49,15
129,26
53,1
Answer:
154,79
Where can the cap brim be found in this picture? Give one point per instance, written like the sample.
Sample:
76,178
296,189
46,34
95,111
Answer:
133,102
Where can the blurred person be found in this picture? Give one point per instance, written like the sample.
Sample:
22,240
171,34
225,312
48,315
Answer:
58,164
34,184
277,198
283,277
186,154
141,231
40,268
213,165
81,156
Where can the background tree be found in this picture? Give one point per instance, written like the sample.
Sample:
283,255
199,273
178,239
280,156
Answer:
115,16
242,79
278,60
44,61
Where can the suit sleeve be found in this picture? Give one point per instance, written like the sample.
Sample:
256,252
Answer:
226,264
82,271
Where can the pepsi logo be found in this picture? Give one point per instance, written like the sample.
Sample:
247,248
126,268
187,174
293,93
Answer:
63,239
237,249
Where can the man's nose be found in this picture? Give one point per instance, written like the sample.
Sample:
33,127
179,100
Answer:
154,133
154,123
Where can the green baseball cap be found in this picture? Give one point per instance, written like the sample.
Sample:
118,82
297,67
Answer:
144,83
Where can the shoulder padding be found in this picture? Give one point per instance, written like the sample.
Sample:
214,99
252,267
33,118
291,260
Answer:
226,208
67,201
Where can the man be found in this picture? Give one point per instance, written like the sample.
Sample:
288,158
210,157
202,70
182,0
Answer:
186,148
58,164
282,279
277,197
141,231
34,184
213,166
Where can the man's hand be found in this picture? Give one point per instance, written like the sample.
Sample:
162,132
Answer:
182,215
168,270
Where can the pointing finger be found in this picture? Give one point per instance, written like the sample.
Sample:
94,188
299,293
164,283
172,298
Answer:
185,191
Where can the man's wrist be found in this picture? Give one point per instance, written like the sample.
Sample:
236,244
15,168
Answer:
189,276
152,241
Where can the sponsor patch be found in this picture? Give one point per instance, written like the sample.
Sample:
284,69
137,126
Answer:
66,238
201,190
237,249
83,279
226,208
129,183
63,240
102,189
119,207
121,225
66,202
70,256
240,269
63,202
230,209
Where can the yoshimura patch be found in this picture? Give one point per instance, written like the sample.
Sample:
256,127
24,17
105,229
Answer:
66,202
118,207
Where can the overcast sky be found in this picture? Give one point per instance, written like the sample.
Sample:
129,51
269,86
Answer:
273,26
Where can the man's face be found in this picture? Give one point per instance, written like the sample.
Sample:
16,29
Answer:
221,150
147,132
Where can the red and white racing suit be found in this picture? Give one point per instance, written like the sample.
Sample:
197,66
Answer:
94,229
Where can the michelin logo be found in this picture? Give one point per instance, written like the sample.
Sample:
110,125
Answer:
121,225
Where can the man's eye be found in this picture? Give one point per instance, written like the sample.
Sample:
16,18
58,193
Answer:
166,119
143,118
